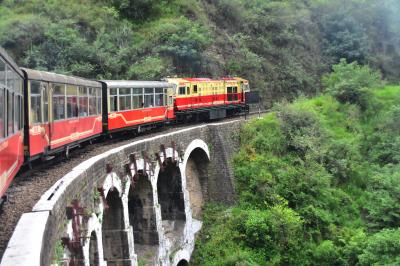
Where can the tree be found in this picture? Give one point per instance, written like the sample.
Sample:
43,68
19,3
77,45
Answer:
348,82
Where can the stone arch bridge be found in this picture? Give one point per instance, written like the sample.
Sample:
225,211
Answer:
139,204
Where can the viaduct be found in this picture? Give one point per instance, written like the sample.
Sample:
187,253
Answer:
138,204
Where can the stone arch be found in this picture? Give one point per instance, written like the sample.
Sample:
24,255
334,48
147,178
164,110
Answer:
171,197
94,258
197,159
115,240
93,246
181,257
183,263
142,218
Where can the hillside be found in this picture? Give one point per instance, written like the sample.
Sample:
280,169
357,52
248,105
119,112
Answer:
282,47
318,182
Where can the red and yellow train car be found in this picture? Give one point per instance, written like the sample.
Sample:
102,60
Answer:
61,112
11,121
215,98
136,104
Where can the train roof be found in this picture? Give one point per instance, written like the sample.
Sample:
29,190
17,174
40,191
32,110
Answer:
137,84
184,80
59,78
4,55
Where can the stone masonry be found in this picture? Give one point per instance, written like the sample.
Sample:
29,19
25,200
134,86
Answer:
141,202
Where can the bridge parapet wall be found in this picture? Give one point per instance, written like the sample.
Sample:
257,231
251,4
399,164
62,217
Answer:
83,182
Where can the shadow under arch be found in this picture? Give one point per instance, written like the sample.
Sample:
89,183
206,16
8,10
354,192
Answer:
115,240
94,259
183,263
171,200
142,218
197,180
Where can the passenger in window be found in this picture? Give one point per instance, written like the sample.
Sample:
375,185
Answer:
83,113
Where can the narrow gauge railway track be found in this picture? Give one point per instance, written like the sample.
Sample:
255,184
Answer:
29,185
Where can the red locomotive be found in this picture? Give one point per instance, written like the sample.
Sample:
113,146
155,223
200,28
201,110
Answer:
57,112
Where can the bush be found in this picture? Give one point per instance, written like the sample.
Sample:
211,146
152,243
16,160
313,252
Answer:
348,83
302,131
384,143
383,248
383,197
276,231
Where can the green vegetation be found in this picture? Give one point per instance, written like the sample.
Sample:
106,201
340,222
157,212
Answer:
318,179
282,47
318,182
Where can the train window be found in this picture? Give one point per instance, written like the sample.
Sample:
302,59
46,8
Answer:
124,91
137,91
10,77
16,86
20,85
194,88
99,97
2,104
21,113
16,113
159,100
72,101
182,90
35,111
149,90
10,113
113,100
149,97
125,99
159,97
83,102
45,97
235,96
92,101
137,98
2,73
58,102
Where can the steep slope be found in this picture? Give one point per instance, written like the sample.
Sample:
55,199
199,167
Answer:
282,47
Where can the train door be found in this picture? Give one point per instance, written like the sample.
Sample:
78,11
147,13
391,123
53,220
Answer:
170,102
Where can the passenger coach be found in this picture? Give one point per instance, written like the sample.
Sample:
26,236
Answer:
11,121
137,105
61,112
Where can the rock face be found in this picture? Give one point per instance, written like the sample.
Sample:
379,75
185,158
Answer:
150,205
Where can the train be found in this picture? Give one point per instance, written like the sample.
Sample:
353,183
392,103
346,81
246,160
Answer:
43,114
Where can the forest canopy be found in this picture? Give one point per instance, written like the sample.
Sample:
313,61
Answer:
282,47
318,181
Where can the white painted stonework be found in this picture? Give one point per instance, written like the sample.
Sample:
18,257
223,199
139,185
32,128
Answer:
28,236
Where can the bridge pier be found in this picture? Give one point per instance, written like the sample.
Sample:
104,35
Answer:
149,209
